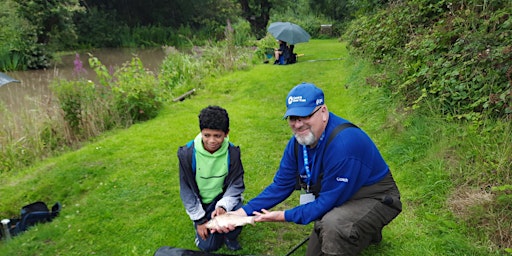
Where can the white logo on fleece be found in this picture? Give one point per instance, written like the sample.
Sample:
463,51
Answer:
340,179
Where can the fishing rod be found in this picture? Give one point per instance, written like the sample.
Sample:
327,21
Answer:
297,246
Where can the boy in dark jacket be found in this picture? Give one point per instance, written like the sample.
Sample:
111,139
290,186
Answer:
211,178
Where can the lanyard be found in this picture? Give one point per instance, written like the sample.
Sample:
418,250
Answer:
306,161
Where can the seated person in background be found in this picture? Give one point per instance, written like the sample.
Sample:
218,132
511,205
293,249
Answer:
278,52
292,57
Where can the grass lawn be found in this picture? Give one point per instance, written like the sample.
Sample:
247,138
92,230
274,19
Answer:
120,193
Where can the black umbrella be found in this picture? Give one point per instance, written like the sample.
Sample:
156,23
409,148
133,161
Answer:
288,32
5,79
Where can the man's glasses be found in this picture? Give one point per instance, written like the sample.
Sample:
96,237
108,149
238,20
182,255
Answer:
303,118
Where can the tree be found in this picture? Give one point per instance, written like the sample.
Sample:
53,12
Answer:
50,25
345,10
257,13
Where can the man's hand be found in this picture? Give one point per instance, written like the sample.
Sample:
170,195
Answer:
203,231
266,216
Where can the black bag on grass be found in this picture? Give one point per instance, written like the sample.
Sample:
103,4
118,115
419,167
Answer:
172,251
32,214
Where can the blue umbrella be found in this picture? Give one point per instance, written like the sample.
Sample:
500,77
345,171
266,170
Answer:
5,79
288,32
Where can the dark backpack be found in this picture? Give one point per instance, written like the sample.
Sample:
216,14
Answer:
33,214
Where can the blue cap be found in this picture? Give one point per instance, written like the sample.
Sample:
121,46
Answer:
303,99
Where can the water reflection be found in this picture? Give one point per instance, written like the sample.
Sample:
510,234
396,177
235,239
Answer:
33,90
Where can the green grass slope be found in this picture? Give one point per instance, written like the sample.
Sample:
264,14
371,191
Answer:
120,193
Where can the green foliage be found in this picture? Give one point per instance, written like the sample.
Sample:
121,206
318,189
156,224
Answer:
212,16
265,47
49,27
75,98
299,12
345,10
136,92
11,41
179,69
181,72
226,57
96,28
241,32
126,96
116,25
27,137
105,28
456,55
132,90
11,60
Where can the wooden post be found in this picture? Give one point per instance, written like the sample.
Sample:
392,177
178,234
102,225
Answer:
183,96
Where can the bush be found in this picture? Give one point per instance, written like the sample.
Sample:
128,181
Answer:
11,46
136,92
120,98
455,56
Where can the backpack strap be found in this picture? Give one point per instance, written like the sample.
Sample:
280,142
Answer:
316,187
337,130
193,160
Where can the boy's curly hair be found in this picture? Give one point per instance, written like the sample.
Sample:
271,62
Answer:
215,118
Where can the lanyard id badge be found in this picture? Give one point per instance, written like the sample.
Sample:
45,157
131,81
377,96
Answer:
306,198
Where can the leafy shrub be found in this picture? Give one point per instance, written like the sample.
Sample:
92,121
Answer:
265,47
11,45
453,58
80,107
457,55
98,28
120,99
136,92
242,33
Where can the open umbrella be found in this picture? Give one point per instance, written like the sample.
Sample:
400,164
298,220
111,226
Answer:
288,32
5,79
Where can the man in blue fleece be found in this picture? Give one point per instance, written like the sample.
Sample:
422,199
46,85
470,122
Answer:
346,186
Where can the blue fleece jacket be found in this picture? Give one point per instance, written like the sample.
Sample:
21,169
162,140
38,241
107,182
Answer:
349,162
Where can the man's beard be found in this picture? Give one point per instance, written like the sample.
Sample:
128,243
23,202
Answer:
307,140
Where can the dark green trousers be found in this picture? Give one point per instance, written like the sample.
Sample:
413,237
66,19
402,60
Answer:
351,227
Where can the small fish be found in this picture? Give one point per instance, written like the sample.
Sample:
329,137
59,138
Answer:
225,220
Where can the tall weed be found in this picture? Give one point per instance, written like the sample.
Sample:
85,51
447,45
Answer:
181,72
29,136
483,160
85,112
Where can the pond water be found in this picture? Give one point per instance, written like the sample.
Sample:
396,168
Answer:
33,90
